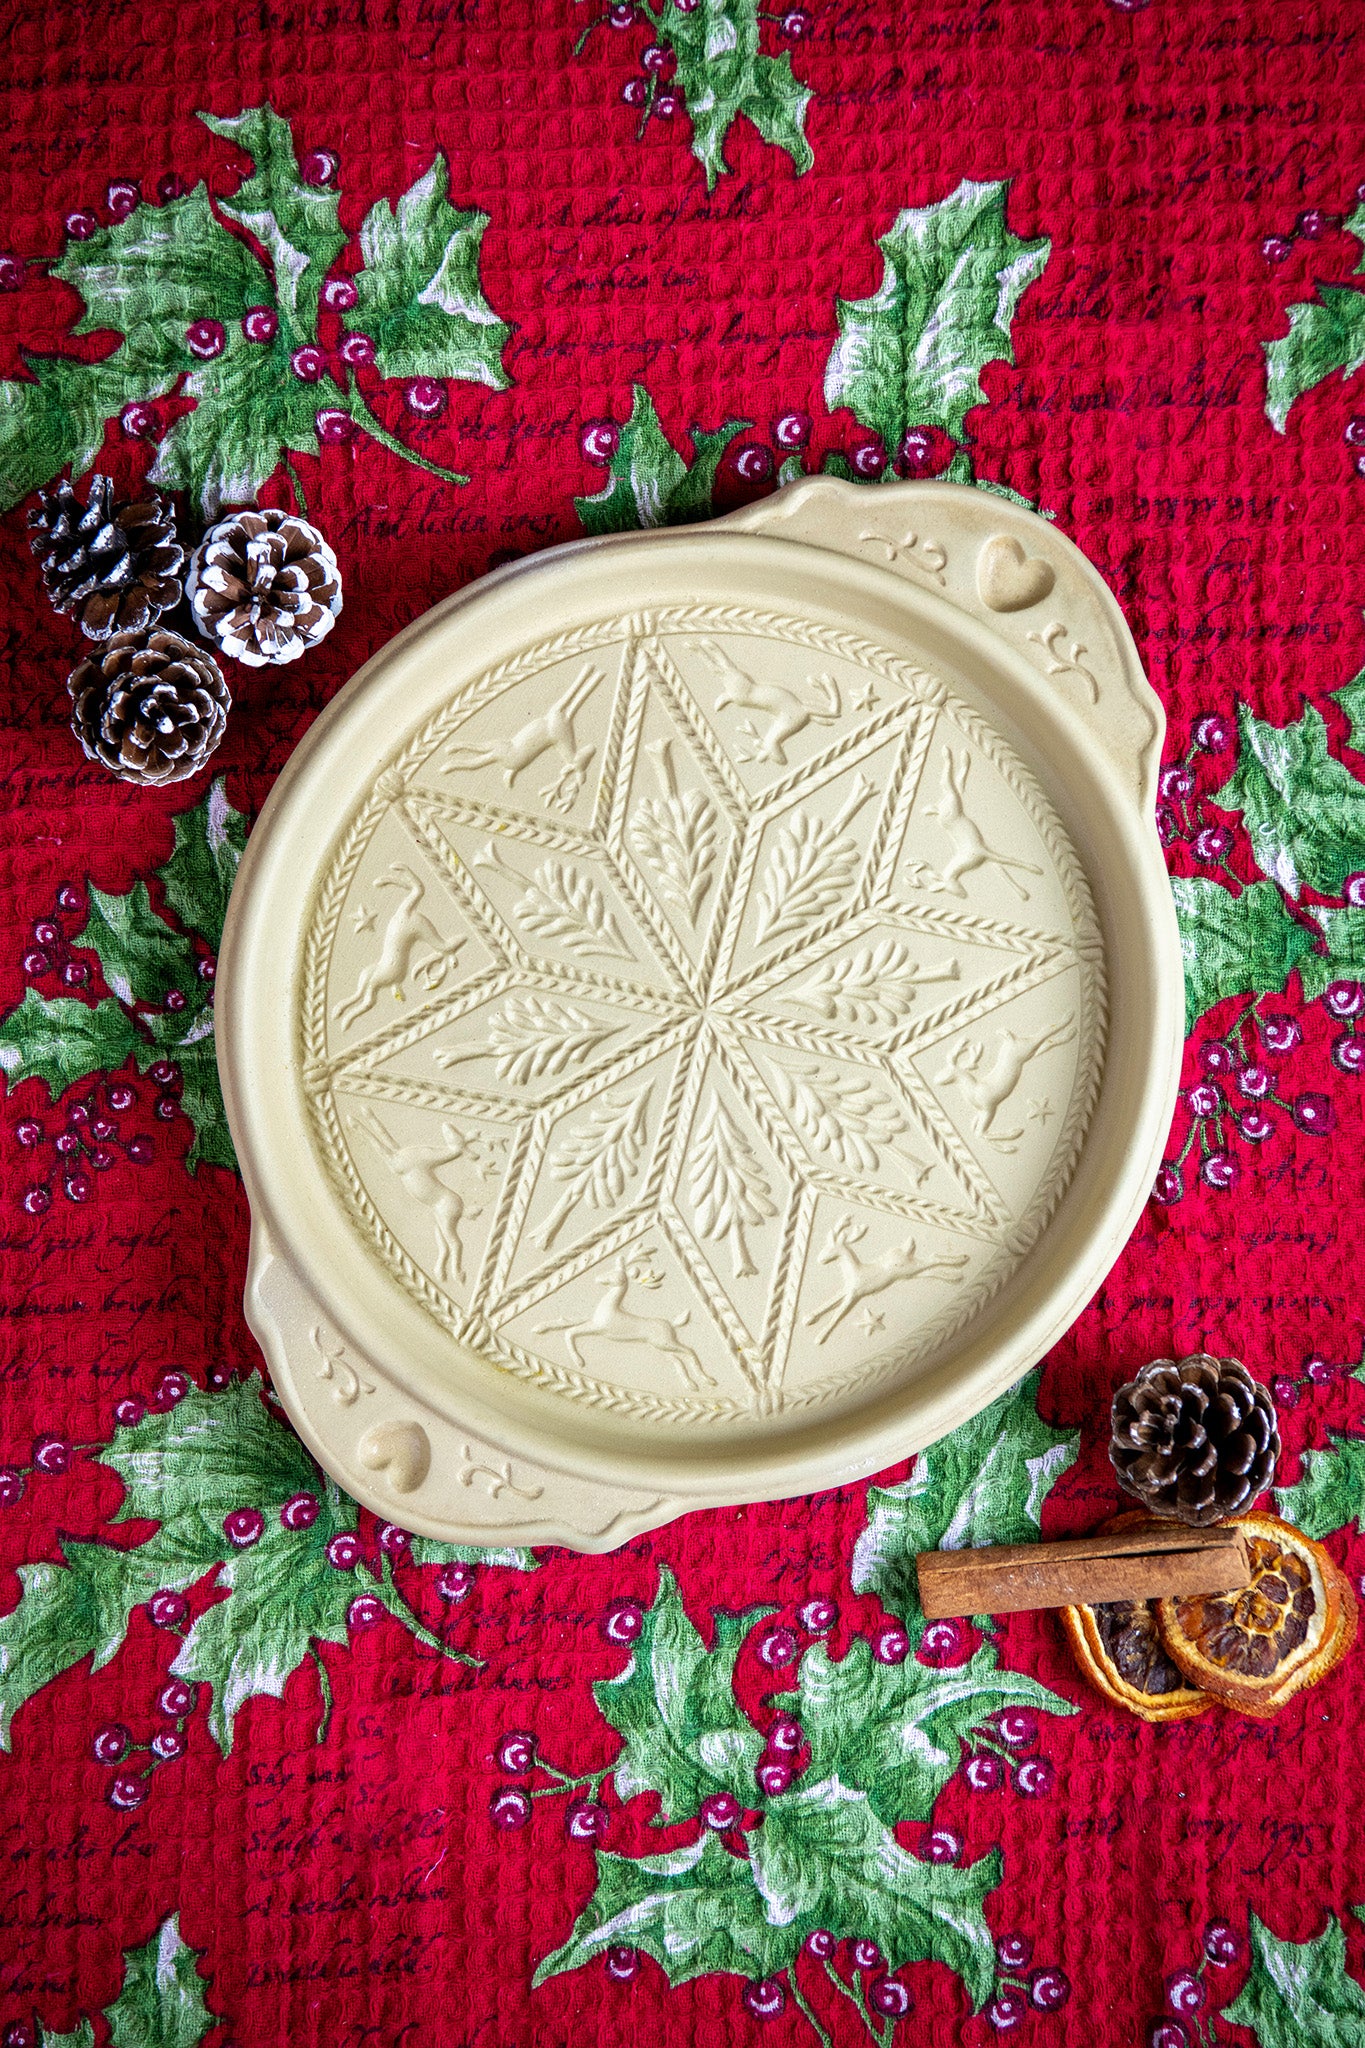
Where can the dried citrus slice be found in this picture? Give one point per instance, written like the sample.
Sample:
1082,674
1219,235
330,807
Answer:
1118,1647
1288,1628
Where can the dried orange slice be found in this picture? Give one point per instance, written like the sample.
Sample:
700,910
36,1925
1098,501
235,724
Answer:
1288,1628
1118,1647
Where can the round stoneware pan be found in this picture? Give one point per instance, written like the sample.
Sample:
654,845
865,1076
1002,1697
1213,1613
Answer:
700,1013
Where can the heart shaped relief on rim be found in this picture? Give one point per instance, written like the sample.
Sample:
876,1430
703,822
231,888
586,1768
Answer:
1010,580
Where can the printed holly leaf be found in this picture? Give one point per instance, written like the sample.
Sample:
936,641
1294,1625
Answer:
296,224
1344,959
894,1731
213,1452
1325,334
81,1608
161,2004
1330,1491
82,2035
142,958
209,842
61,1039
56,416
201,1092
250,410
420,300
823,1859
1351,697
1299,1993
913,353
651,485
425,1550
722,75
675,1706
1303,810
154,273
695,1910
1234,945
985,1483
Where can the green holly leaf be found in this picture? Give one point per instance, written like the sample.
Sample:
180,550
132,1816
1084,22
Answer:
675,1706
209,842
1303,810
1246,944
194,1051
1325,334
154,273
1330,1490
284,1596
419,296
913,353
296,224
696,1910
212,1452
161,2004
82,2035
425,1550
81,1608
1344,959
985,1483
61,1039
56,417
250,410
1351,697
142,958
1299,1993
896,1731
651,484
823,1859
721,75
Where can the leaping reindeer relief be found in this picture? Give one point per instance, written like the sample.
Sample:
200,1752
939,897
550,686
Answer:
789,713
970,850
614,1323
407,931
416,1167
552,730
988,1092
862,1278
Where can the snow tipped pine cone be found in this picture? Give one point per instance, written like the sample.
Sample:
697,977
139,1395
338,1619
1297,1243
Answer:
115,567
265,586
1196,1440
150,707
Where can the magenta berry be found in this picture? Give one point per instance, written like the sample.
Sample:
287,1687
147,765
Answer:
622,1964
516,1752
308,363
170,1389
1354,891
984,1772
1185,1992
720,1810
821,1944
764,1999
1048,1989
585,1821
365,1611
1167,825
866,1954
320,167
1255,1081
510,1807
36,962
656,59
818,1617
175,1001
29,1133
1285,1392
1321,1372
243,1527
1206,1098
778,1648
1219,1170
1280,1033
425,397
161,1072
170,186
622,14
358,351
206,968
393,1540
333,427
941,1845
300,1511
81,225
343,1551
121,1096
168,1608
1007,2009
1257,1125
78,1187
46,933
37,1200
792,430
785,1736
18,2034
102,1128
754,462
1343,998
942,1643
1212,733
176,1699
260,323
1221,1945
795,24
111,1743
339,294
206,339
68,1144
127,1791
773,1778
164,1108
122,196
635,92
11,1486
167,1744
667,105
1275,248
600,440
1213,842
1313,224
1014,1952
1348,1054
1176,782
455,1581
1313,1112
889,1997
139,1150
1017,1728
51,1454
891,1644
623,1621
1167,2034
868,459
12,271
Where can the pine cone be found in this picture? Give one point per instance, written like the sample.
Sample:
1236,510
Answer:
265,586
1195,1441
117,568
150,706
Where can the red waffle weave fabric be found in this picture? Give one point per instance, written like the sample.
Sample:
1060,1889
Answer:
376,1798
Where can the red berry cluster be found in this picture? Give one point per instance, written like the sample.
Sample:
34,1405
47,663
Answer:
114,1747
517,1756
1187,1995
1023,1990
1238,1096
1310,226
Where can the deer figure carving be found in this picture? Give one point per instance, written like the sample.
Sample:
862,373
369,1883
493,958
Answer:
989,1088
614,1323
552,730
788,712
863,1277
970,850
407,932
417,1166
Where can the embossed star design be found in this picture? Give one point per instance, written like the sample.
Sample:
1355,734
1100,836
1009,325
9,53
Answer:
722,1030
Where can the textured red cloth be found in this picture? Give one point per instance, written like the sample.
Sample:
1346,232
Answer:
1191,169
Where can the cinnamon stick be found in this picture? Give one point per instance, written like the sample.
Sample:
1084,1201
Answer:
1150,1563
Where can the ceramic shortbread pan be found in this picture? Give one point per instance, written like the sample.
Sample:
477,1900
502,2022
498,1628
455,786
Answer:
700,1013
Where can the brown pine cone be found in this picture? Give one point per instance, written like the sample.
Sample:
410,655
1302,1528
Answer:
116,567
150,707
265,586
1195,1441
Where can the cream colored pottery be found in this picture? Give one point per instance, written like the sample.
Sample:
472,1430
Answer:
700,1013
